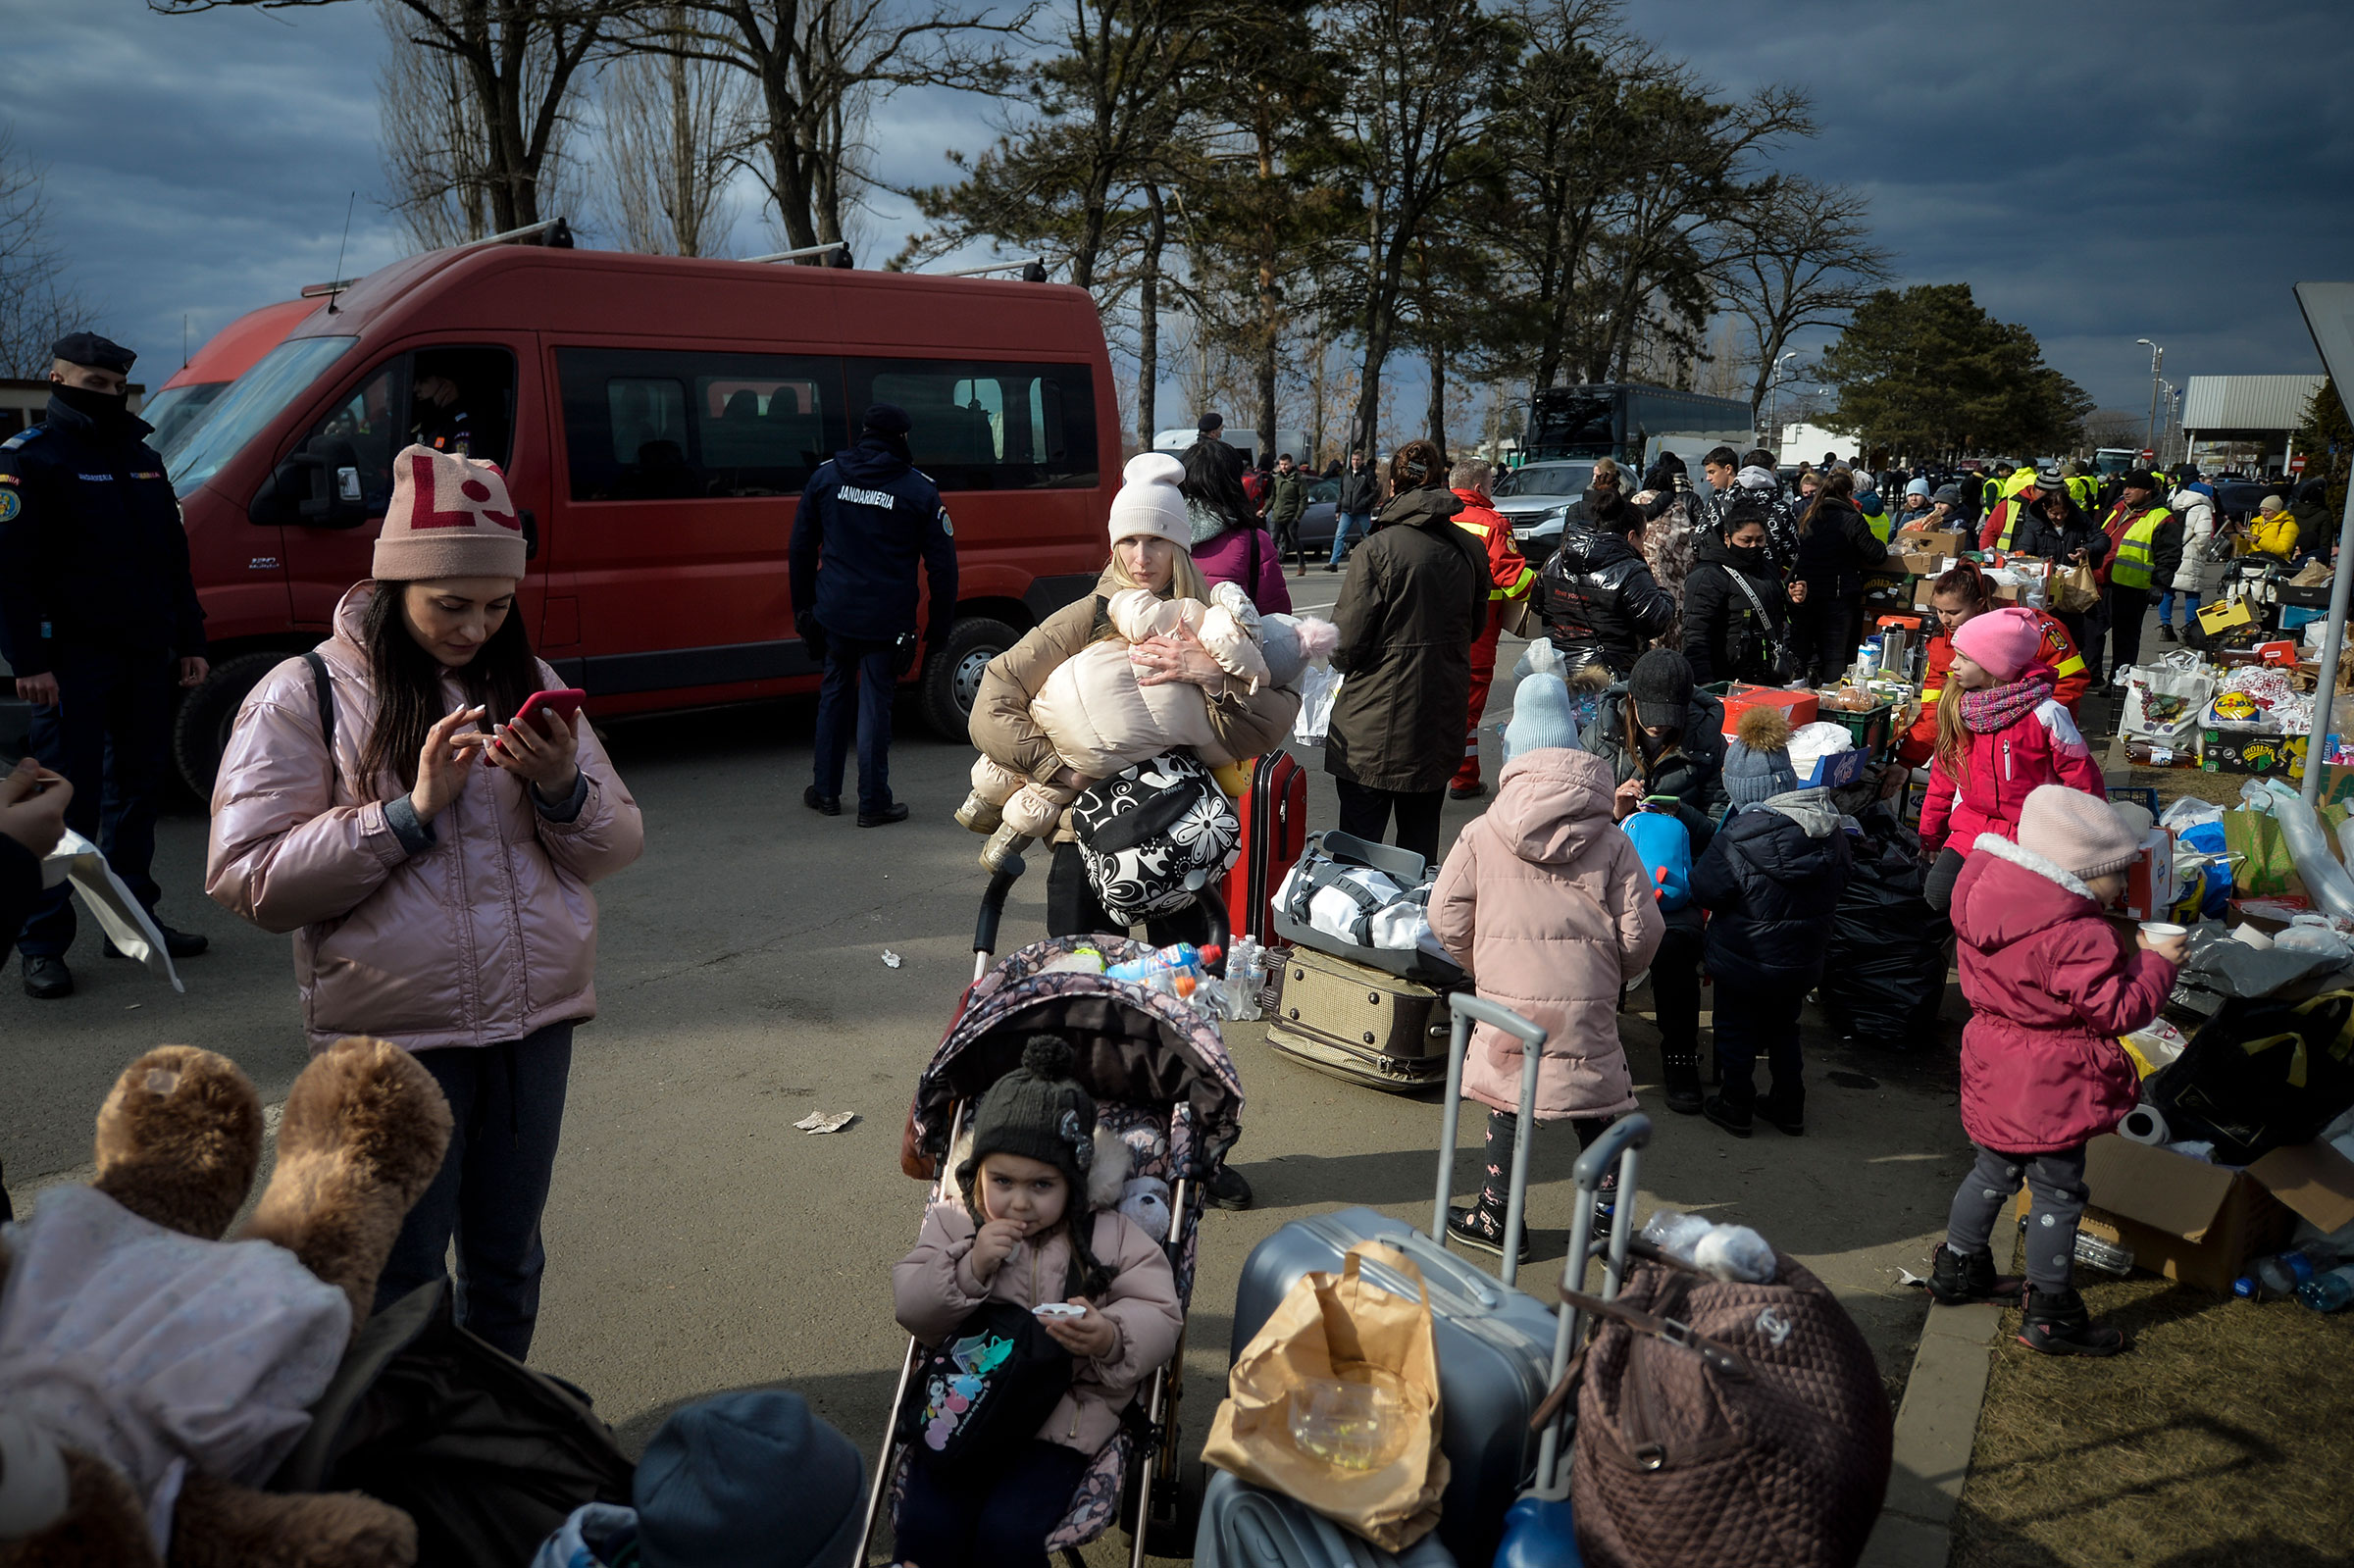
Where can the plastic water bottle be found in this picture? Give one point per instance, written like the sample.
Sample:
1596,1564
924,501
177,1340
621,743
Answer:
1246,972
2282,1272
1178,969
2333,1292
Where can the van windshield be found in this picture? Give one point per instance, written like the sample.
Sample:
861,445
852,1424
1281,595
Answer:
252,401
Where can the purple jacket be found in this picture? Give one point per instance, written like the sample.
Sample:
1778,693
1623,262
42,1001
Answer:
1226,558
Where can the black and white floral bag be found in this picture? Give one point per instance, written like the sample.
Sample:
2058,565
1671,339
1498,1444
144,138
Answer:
1154,834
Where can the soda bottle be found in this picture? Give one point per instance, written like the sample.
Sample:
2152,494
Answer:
2333,1292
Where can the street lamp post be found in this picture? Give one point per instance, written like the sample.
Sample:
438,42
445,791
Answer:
1773,408
2157,358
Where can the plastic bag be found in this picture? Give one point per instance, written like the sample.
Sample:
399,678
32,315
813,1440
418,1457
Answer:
1884,976
1318,685
1810,742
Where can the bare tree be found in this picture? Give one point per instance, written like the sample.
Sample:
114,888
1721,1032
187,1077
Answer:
817,68
673,128
1801,258
514,64
1412,129
36,308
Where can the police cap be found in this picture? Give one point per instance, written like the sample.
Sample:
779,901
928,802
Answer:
887,419
98,353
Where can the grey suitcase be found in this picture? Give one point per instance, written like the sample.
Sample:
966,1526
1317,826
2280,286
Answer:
1358,1022
1499,1349
1243,1526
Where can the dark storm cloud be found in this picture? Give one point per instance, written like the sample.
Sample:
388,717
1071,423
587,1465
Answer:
2099,172
2098,169
199,165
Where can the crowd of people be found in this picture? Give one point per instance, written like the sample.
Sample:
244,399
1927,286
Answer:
394,800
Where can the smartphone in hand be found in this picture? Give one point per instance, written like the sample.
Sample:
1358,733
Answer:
564,700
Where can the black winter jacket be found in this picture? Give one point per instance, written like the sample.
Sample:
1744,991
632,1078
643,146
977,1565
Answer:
1835,548
93,551
1360,493
1771,882
1725,635
1416,597
2037,536
867,516
1599,600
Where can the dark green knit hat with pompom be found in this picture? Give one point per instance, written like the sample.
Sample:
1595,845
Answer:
1038,1112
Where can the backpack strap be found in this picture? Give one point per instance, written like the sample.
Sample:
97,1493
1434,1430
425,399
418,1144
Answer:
322,688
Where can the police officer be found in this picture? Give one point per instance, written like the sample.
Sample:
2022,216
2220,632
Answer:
865,518
99,619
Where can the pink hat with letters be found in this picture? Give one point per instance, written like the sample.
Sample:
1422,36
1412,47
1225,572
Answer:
451,518
2002,642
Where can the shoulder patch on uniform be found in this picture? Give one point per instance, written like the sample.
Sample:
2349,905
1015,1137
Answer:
10,503
945,525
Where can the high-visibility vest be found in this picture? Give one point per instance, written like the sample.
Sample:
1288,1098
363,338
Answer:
2131,566
2087,492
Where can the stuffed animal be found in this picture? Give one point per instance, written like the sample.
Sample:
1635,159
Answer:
171,1370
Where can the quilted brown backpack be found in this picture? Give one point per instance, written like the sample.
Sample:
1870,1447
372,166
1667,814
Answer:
1726,1424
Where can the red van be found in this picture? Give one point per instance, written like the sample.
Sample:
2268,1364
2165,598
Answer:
656,418
177,406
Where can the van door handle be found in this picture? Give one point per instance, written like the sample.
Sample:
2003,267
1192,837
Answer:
531,532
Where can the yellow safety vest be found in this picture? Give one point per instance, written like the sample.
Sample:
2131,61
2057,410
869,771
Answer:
2086,491
2132,566
1879,525
2008,509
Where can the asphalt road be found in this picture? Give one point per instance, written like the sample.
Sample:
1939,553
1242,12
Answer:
697,1242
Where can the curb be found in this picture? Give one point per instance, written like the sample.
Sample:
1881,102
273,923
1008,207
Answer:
1936,1427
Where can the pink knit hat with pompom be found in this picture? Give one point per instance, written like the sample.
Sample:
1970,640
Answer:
2002,642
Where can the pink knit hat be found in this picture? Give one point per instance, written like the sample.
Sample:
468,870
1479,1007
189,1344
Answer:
2003,642
2078,832
451,518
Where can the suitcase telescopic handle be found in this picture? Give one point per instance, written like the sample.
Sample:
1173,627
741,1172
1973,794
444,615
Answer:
1468,1010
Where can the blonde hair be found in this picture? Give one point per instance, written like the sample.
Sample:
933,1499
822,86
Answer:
1953,736
1186,581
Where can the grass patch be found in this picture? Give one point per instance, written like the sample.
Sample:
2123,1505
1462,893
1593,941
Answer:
2218,1438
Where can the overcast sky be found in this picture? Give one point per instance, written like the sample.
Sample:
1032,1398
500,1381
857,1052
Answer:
2097,170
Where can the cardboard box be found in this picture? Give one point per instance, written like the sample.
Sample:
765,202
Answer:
1924,594
1931,542
2250,752
1798,707
2217,618
1921,564
2201,1224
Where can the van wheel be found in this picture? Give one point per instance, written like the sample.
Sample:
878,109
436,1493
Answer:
953,675
200,729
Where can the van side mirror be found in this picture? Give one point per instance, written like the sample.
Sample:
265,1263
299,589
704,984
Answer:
307,491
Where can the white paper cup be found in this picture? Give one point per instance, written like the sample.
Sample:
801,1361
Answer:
2159,931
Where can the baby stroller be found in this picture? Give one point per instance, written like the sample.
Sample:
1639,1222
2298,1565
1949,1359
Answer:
1164,1083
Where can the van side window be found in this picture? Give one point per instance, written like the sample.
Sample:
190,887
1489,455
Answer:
358,439
667,424
990,425
454,399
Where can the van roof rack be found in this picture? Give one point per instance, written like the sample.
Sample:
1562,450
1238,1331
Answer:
1033,270
805,250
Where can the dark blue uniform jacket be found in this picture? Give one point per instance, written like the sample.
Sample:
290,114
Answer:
868,515
92,545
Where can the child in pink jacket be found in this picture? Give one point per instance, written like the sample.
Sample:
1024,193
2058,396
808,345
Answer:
2000,736
1023,1233
2051,986
1546,906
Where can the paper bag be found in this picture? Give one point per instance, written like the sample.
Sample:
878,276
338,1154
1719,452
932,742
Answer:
2261,865
1340,1327
2075,590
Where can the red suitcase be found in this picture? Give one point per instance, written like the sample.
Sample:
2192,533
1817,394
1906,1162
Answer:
1274,817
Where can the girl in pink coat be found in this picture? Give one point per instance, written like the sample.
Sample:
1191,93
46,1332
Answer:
1546,906
2000,736
2051,986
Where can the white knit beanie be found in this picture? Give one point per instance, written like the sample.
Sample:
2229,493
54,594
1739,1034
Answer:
1148,502
450,517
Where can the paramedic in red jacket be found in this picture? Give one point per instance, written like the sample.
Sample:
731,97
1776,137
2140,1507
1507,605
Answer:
1511,580
1959,595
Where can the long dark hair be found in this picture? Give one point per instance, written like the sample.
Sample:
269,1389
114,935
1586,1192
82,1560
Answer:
408,682
1213,476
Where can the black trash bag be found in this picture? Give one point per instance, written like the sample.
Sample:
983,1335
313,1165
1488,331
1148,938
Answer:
1883,974
487,1455
2262,1073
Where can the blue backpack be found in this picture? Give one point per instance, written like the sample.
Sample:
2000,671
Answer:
1666,848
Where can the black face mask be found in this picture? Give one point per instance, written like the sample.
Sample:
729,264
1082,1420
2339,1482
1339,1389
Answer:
1749,558
109,411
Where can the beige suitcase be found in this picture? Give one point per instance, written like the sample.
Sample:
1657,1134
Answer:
1360,1023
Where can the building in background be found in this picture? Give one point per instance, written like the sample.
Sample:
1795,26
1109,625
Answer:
26,402
2244,422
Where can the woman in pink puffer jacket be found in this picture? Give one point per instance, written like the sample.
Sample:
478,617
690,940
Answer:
434,865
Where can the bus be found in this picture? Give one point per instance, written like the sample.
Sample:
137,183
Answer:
1633,423
656,418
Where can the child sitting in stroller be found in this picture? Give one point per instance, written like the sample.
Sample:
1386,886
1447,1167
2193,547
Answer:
1015,1239
1103,717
